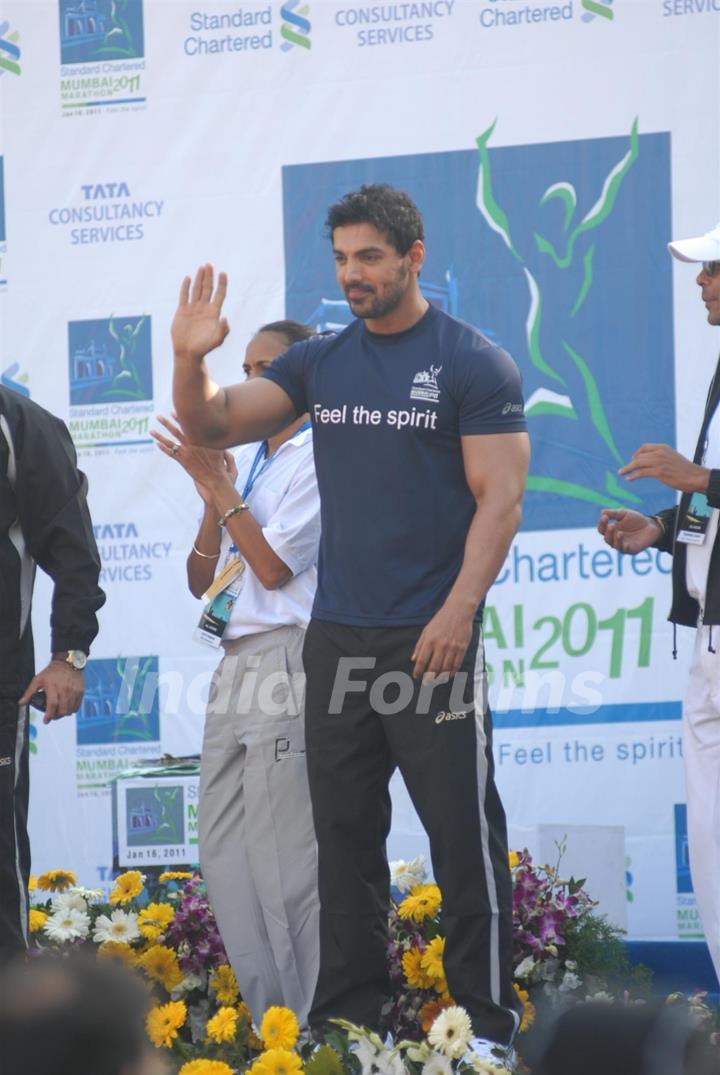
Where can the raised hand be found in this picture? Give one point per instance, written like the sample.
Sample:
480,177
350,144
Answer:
628,531
198,326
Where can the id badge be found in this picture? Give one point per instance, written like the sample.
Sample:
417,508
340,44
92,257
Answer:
220,597
694,524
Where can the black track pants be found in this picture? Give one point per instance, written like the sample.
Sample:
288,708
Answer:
364,717
14,843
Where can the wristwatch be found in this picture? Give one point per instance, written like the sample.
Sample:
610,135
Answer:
74,657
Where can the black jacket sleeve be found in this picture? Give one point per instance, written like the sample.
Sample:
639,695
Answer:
55,520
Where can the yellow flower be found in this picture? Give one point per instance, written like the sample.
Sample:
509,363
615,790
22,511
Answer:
119,951
205,1067
127,886
154,919
56,880
430,1011
423,902
224,984
513,859
441,988
432,959
276,1062
37,920
32,883
163,1023
279,1028
414,974
528,1015
161,964
174,875
223,1025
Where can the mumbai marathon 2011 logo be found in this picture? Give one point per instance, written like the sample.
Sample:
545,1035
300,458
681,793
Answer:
513,13
102,50
111,383
9,49
119,719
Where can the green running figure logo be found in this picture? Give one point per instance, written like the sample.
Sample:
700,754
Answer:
573,280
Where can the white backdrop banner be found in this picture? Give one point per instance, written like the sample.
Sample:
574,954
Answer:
554,148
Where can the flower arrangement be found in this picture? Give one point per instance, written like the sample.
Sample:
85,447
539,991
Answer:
562,951
172,940
562,948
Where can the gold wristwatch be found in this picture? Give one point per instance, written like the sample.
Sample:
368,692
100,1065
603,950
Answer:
74,657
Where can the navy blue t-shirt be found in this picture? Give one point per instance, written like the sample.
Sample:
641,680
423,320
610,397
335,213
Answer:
388,413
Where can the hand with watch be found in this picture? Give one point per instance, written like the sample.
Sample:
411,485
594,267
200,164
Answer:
59,687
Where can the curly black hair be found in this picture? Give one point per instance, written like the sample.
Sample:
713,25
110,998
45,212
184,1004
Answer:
391,211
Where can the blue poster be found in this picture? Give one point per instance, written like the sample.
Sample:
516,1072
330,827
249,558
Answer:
557,252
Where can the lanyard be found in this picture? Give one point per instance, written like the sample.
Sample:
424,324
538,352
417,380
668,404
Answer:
260,458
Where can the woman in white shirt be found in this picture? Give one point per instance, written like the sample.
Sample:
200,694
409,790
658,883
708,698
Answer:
260,530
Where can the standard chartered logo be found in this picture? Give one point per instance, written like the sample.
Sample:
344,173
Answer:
9,50
295,28
593,8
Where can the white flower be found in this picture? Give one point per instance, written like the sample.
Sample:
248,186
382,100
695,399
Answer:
601,997
69,901
367,1053
389,1062
451,1032
571,964
90,894
570,981
405,875
524,969
418,1051
437,1065
68,925
121,926
546,970
360,1034
189,982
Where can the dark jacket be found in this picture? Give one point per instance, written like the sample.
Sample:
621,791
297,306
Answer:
44,519
685,609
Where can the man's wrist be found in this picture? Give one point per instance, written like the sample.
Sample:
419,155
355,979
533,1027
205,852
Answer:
660,525
703,480
74,658
182,354
462,605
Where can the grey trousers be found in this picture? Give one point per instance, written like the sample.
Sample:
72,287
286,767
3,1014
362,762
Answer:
257,843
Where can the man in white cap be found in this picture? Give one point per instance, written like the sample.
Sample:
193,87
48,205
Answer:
689,532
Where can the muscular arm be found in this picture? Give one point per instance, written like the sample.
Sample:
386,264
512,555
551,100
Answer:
212,416
496,468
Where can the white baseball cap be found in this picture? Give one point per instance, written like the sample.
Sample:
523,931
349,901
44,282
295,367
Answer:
703,248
